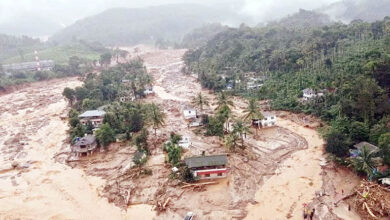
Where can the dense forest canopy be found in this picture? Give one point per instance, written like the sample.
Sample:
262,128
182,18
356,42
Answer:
350,64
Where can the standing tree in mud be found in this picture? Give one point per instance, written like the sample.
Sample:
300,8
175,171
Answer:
69,94
231,141
105,135
240,128
157,117
224,101
223,106
200,101
252,112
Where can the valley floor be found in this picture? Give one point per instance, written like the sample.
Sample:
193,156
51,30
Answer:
280,170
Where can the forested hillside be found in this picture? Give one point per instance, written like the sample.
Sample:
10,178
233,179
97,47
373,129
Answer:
129,26
13,46
199,36
350,64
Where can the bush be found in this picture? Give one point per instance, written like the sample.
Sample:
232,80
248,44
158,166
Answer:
41,75
140,158
337,144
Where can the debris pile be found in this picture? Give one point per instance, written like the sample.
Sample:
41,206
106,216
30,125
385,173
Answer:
371,200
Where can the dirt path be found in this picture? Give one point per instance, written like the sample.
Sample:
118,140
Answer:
31,134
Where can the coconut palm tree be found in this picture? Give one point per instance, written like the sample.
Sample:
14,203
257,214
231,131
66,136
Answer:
224,101
157,117
242,129
364,162
252,111
200,101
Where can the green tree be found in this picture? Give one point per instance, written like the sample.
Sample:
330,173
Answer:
113,120
105,59
105,135
200,101
214,126
252,111
384,145
174,154
141,141
77,131
157,117
224,101
240,128
231,141
337,144
359,131
69,94
364,162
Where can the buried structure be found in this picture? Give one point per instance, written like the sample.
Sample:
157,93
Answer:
208,167
85,146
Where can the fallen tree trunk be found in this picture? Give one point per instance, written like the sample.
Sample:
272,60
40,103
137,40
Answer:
198,184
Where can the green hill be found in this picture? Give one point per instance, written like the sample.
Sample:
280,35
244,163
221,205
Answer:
129,26
349,64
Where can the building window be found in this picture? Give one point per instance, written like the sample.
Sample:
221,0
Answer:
219,174
207,175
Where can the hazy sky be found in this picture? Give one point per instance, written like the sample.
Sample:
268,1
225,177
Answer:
67,11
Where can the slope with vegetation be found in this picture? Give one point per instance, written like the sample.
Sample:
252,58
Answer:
130,26
349,63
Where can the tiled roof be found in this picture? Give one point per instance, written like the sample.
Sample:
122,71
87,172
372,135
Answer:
92,113
205,161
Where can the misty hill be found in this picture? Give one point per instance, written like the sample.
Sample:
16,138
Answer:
129,26
14,46
367,10
199,36
303,19
31,25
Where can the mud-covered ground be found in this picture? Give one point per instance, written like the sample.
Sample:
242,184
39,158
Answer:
248,170
279,170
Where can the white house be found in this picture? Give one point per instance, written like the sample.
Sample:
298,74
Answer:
254,83
149,91
309,94
195,122
269,120
126,98
185,142
189,113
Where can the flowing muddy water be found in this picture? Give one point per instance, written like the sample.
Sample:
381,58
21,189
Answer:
32,133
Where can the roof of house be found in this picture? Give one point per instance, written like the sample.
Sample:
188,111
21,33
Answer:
370,147
92,113
205,161
87,140
268,114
